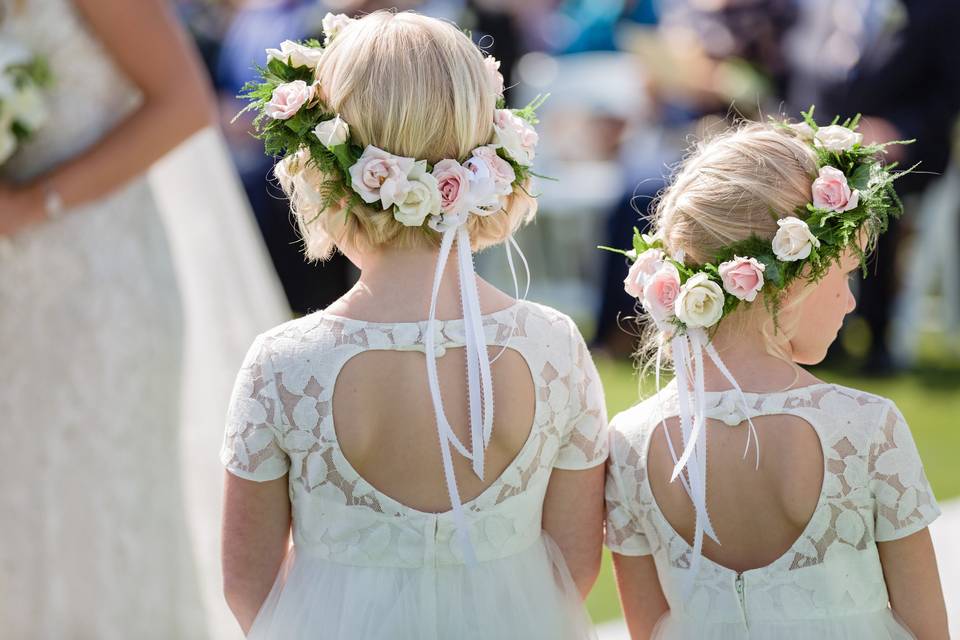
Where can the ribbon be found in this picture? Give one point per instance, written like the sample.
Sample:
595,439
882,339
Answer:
479,376
688,350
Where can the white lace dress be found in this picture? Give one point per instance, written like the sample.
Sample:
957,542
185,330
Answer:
121,327
829,585
366,567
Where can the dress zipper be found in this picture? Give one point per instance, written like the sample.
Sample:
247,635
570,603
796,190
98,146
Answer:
738,585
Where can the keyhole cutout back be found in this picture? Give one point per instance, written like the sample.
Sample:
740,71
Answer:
758,514
385,426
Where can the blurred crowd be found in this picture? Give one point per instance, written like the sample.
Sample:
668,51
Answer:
630,82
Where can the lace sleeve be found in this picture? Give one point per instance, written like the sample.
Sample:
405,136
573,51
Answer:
250,447
624,533
904,501
585,440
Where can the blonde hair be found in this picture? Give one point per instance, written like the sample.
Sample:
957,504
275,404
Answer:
414,86
730,187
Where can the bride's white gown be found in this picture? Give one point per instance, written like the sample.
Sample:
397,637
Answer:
121,328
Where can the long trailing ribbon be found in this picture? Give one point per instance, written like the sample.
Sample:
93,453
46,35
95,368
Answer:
688,350
479,376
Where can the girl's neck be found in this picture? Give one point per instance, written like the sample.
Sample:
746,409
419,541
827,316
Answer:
395,286
744,353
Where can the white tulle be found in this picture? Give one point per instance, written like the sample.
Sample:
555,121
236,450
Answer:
528,595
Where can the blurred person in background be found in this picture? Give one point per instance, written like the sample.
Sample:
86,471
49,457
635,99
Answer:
133,277
907,83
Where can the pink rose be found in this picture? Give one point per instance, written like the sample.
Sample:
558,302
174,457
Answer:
646,264
453,181
288,98
379,175
742,277
503,174
661,291
515,135
493,70
831,191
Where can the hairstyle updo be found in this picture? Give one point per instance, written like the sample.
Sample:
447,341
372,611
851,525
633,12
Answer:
729,187
414,86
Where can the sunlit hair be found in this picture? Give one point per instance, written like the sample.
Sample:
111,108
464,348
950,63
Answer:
414,86
729,187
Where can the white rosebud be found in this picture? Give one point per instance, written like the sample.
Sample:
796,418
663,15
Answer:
836,138
28,108
700,302
803,130
296,55
793,240
332,133
8,141
333,24
422,197
515,135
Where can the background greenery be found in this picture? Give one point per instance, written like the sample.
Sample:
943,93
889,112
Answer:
927,395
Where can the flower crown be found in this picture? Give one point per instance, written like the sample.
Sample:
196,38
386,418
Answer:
853,189
295,123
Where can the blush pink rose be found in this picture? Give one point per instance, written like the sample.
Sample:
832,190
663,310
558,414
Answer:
646,264
379,175
661,291
503,174
831,191
287,99
453,181
742,277
492,66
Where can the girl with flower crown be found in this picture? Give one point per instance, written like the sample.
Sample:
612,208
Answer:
747,498
422,502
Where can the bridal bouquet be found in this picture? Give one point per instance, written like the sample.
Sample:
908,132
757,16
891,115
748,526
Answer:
22,106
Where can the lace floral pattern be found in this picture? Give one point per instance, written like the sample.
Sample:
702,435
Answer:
280,421
874,490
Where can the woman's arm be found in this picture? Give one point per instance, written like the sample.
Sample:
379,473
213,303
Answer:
147,44
573,517
640,595
256,536
913,583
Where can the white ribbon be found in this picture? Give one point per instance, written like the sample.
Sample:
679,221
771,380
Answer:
688,352
479,376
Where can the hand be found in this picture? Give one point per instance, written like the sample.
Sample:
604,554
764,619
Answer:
20,207
877,131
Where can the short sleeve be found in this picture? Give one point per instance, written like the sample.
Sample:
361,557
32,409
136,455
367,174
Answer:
904,501
622,525
250,448
584,443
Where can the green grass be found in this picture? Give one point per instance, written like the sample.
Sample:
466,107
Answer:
928,396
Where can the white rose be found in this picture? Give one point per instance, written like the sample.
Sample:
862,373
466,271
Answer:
333,132
27,107
836,138
333,24
793,241
803,130
700,302
514,134
296,55
8,141
422,198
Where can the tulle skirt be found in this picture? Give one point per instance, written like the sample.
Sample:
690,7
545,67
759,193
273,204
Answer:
528,596
877,625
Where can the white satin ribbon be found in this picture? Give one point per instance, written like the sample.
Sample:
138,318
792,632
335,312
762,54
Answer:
479,376
688,350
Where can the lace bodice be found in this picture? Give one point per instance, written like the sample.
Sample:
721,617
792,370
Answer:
874,490
280,421
89,94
